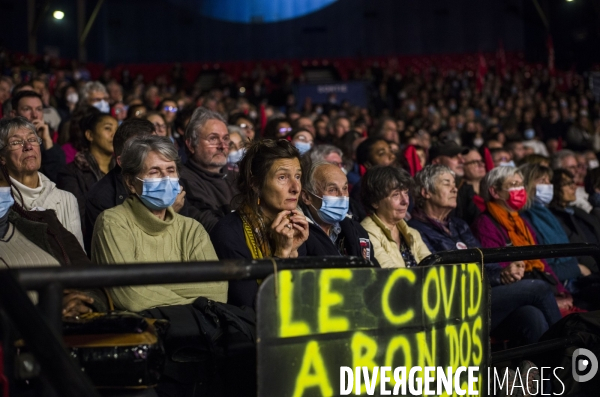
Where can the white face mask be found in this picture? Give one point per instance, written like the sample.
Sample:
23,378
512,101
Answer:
102,106
544,193
73,98
593,164
478,142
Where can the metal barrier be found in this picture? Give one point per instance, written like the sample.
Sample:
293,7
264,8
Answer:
511,254
41,328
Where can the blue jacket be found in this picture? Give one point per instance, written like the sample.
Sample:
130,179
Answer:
437,240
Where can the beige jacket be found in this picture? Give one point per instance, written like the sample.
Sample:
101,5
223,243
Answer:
387,252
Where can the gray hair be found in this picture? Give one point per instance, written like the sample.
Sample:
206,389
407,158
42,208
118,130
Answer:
495,178
319,152
427,178
198,120
559,156
234,129
9,125
136,150
309,181
90,87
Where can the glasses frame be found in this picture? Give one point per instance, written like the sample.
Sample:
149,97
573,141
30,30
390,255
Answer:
14,145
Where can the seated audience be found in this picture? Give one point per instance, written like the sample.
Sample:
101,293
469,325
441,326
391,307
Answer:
207,186
579,226
326,203
501,225
266,222
522,310
540,193
37,238
384,194
95,161
145,228
21,156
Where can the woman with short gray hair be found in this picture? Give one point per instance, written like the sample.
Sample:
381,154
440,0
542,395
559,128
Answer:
145,228
21,158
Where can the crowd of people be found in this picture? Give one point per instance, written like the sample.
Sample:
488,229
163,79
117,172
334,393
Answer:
122,172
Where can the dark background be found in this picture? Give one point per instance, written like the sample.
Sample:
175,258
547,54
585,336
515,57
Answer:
139,31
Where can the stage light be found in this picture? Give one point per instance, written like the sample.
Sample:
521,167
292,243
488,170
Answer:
58,15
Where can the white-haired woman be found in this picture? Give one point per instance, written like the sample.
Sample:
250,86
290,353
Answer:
21,157
146,229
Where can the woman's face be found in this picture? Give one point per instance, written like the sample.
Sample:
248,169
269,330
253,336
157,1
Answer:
445,192
510,182
282,186
542,180
303,136
155,166
159,124
283,128
169,111
381,154
567,189
393,208
21,160
102,136
235,141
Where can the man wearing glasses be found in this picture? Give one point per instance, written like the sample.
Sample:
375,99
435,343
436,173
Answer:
207,187
28,104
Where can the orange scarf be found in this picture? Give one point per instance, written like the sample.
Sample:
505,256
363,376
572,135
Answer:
518,232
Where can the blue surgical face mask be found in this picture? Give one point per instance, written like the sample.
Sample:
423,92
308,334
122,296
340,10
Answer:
159,193
102,106
235,156
6,200
507,164
529,133
302,147
333,209
544,193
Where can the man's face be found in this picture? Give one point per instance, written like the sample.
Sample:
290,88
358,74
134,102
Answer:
342,126
31,108
501,157
38,87
4,91
455,163
304,122
329,180
335,159
22,160
96,96
570,163
474,167
213,145
518,151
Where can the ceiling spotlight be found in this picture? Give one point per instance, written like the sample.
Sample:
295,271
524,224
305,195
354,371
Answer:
58,15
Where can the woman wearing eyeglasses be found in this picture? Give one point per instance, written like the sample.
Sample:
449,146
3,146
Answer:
21,157
579,226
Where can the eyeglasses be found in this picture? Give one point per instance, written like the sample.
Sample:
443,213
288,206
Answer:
171,109
245,126
215,141
513,185
476,162
284,130
16,145
159,126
